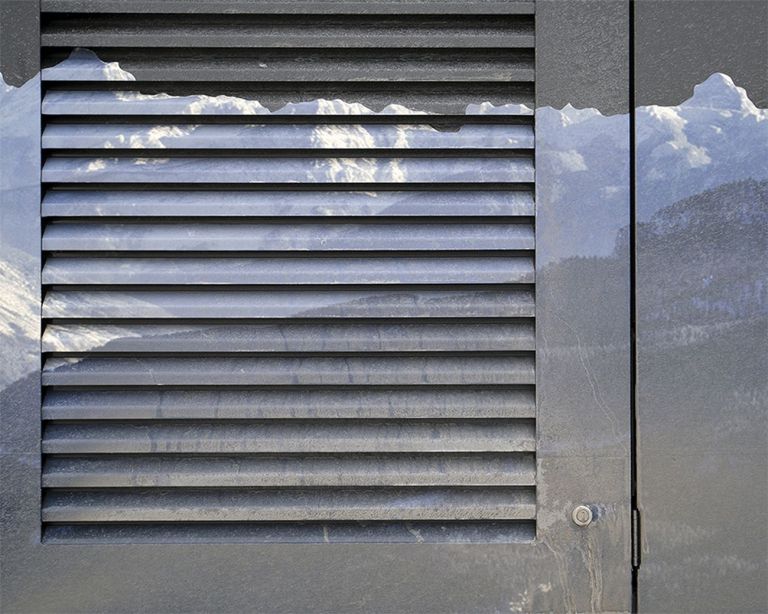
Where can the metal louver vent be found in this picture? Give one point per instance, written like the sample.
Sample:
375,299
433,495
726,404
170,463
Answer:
314,324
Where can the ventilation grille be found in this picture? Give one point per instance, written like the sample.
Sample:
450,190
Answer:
311,324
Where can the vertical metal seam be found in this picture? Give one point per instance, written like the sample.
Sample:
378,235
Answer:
634,520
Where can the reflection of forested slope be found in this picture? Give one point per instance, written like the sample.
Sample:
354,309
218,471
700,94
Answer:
703,260
702,269
702,387
703,301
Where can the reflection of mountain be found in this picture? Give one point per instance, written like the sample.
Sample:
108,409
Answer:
705,257
716,137
702,265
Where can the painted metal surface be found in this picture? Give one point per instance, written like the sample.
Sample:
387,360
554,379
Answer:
702,320
439,397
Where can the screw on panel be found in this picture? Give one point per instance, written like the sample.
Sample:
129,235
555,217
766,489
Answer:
582,515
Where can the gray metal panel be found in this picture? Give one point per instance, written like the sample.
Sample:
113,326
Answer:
499,564
702,323
588,66
681,43
583,370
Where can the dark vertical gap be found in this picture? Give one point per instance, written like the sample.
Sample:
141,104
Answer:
42,262
635,536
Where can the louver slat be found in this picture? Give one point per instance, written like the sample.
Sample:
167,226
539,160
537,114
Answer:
293,437
118,104
284,237
310,371
293,7
285,338
227,304
289,204
390,171
289,271
411,469
260,505
289,403
272,137
308,312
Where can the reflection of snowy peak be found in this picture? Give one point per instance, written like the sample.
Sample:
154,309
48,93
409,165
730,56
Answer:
85,65
720,93
715,137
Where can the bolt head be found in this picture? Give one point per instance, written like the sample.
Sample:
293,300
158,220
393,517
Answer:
582,515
